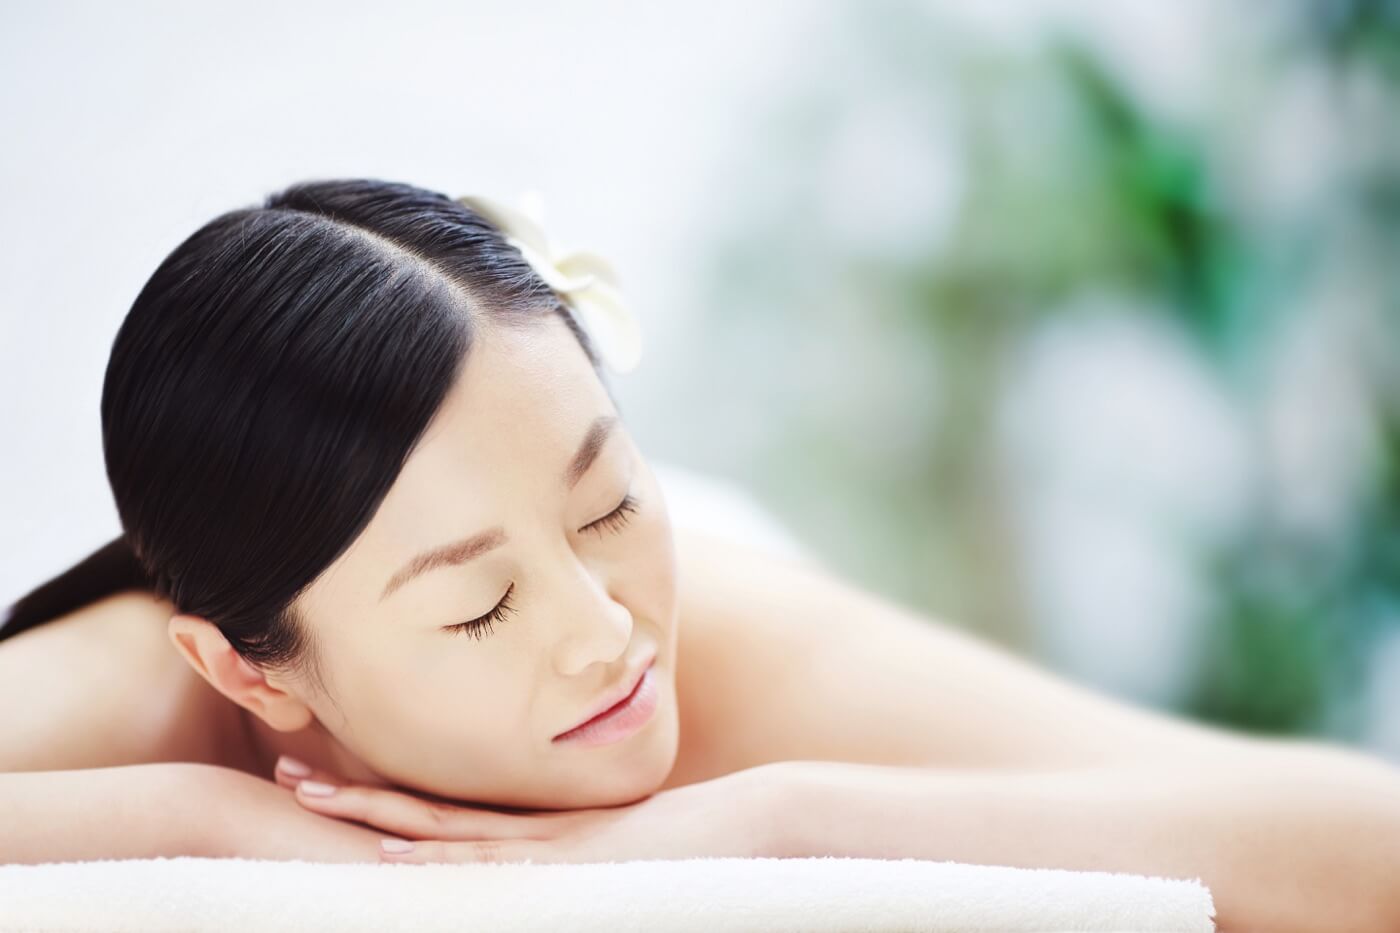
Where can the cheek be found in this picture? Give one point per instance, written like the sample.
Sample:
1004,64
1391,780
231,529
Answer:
455,725
426,684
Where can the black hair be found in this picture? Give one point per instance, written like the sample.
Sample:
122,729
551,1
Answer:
266,387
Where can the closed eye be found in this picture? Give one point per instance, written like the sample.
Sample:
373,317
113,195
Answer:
480,627
476,626
617,518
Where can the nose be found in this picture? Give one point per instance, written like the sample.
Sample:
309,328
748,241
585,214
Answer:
595,627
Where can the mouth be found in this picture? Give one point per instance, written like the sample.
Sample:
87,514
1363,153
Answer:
622,718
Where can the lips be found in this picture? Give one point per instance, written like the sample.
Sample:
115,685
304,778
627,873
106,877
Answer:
617,696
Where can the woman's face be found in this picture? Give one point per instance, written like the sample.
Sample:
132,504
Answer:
472,716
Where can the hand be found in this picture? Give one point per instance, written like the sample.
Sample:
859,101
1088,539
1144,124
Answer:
732,815
233,814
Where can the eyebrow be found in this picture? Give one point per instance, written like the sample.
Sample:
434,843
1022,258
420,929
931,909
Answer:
459,552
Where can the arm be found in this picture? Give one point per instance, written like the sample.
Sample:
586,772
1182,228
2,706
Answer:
1297,837
94,813
165,809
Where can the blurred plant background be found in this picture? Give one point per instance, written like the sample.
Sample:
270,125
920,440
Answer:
1070,322
1109,378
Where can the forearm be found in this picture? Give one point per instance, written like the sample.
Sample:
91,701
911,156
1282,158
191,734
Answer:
92,813
166,809
1289,840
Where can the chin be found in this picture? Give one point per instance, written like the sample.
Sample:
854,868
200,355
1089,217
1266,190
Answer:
621,776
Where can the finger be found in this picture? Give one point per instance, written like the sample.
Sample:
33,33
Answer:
493,851
289,772
415,818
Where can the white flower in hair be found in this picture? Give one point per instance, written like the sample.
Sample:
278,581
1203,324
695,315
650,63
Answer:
585,280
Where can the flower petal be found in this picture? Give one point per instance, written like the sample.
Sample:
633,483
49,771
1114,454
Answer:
610,324
546,269
512,222
579,262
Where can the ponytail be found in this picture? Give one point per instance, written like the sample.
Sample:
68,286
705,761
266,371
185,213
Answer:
107,570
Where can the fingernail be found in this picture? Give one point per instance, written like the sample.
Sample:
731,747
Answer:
316,788
396,846
293,767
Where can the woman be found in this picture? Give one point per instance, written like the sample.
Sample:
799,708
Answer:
376,493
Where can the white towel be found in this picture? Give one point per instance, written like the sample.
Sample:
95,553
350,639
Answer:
701,895
705,895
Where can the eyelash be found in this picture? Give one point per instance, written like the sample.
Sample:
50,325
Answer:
615,519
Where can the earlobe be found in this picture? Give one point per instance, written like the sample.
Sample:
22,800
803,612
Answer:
206,649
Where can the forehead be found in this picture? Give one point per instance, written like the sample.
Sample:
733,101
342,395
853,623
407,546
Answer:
523,389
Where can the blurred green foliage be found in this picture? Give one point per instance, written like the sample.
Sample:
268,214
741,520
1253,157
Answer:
1071,185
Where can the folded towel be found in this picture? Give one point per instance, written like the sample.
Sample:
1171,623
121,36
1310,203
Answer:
704,895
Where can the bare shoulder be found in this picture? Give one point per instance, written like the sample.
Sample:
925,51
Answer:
98,687
125,628
782,659
113,615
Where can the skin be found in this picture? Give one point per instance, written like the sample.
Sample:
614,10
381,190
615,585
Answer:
409,703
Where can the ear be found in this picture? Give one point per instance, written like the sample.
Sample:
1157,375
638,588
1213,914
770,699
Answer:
208,652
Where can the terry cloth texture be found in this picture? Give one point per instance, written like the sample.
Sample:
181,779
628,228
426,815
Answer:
706,895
